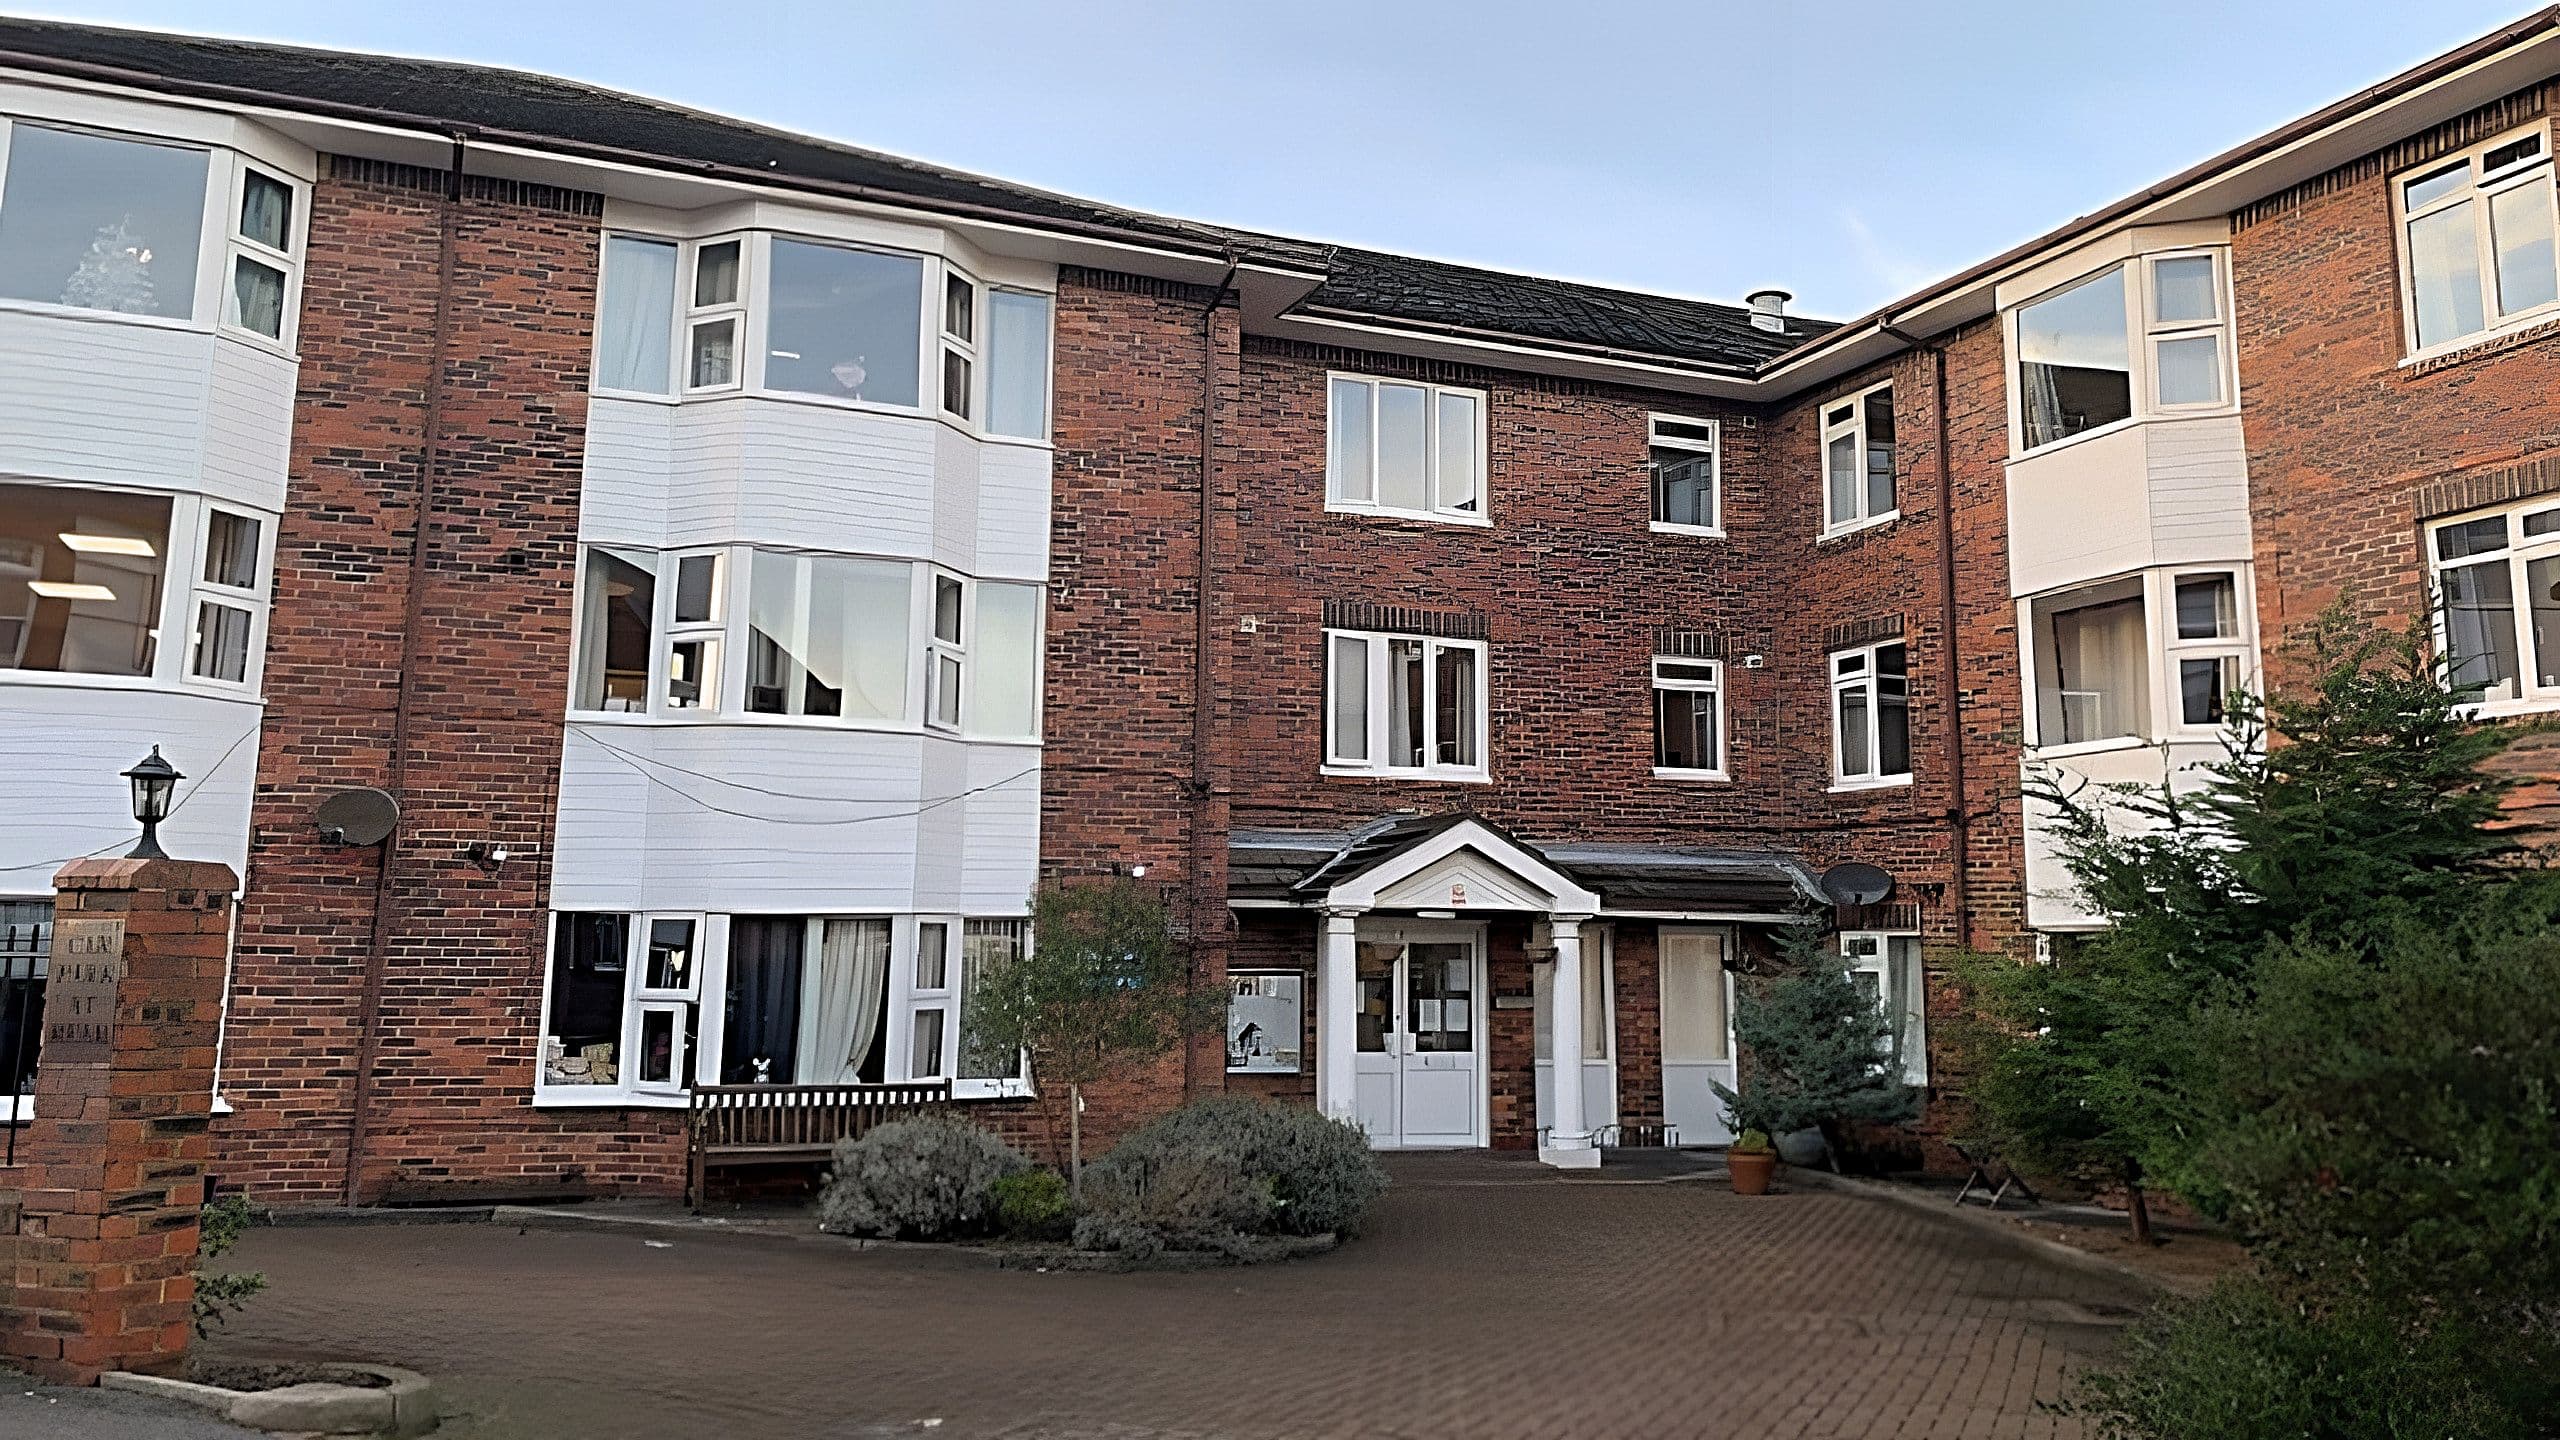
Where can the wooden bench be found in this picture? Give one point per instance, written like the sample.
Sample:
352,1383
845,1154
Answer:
733,1125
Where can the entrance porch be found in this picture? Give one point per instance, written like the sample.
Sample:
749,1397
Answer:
1429,951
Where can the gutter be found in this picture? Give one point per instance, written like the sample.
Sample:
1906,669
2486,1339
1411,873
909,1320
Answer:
1959,812
1207,910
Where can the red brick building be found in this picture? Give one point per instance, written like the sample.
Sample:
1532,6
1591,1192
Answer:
748,565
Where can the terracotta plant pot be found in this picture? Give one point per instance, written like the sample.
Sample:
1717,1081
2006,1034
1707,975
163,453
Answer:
1751,1170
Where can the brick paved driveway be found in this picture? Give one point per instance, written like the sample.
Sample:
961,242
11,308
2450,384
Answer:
1492,1299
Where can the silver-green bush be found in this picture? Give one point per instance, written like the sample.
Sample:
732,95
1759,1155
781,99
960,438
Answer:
929,1179
1228,1167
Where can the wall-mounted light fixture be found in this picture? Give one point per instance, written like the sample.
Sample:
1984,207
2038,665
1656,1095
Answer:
487,854
1137,871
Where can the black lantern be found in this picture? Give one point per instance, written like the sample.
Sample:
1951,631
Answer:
155,786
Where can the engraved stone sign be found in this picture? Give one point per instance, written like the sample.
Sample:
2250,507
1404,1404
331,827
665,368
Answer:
80,990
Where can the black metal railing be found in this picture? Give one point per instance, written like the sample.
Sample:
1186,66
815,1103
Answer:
26,947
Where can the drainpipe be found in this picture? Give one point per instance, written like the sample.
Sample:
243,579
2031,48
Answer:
1959,812
377,960
1206,908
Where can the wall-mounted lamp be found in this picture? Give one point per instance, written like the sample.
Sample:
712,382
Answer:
1137,871
155,790
487,854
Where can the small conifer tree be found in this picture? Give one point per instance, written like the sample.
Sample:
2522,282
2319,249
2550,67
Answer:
1817,1051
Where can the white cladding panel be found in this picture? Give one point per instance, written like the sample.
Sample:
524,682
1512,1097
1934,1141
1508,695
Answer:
115,402
817,477
63,753
824,820
2164,492
2053,899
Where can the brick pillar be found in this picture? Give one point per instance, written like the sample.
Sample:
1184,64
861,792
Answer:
100,1265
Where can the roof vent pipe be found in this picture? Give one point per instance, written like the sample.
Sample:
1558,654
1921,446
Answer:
1768,309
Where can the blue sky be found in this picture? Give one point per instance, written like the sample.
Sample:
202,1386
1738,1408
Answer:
1848,152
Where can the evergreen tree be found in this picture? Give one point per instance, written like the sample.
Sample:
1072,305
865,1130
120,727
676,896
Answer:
1816,1049
2340,814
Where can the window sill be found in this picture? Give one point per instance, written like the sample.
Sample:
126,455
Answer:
1857,527
86,315
823,402
1853,787
1661,772
701,719
967,1090
68,680
2510,709
607,1097
1427,517
2533,325
1455,777
1695,532
2106,746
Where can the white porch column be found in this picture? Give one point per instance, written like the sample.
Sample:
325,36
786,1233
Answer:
1568,1141
1338,1017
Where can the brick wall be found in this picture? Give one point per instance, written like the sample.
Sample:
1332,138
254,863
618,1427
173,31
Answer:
496,409
2349,449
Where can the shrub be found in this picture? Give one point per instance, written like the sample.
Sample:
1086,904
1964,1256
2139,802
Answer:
2246,1363
928,1179
1179,1200
220,1295
1320,1172
1818,1050
1751,1142
1033,1205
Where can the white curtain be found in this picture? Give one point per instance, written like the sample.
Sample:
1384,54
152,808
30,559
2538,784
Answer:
638,314
848,991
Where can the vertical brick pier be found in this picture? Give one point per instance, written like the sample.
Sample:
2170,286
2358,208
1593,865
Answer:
98,1217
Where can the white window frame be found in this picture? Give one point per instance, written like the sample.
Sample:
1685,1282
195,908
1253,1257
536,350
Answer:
1048,369
17,1106
951,654
1855,427
2528,696
1018,1084
734,310
1712,447
2144,334
1870,952
1378,648
1437,510
239,247
711,634
965,348
1863,677
2482,186
254,600
2164,650
910,997
1715,686
637,997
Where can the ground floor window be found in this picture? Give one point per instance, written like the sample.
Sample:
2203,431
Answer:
1887,970
26,944
644,1004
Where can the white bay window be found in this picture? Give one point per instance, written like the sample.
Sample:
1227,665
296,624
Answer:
865,326
92,579
2146,337
1406,705
2138,659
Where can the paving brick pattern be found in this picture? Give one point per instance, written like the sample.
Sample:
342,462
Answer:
1492,1299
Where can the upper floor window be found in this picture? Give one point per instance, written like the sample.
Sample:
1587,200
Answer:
786,315
2141,657
2497,584
1870,716
1857,460
121,224
1404,704
826,637
1682,456
90,578
1688,717
2476,239
1398,448
2145,337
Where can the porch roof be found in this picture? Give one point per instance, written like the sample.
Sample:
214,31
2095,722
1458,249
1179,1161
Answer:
1300,867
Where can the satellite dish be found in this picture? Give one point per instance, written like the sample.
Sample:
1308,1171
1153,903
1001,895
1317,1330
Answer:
362,816
1855,884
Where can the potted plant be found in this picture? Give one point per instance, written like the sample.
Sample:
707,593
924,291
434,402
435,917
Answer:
1751,1160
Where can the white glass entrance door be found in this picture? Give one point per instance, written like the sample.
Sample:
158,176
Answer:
1697,1033
1419,1042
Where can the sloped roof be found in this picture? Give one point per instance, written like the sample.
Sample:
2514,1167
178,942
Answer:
1298,867
544,111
